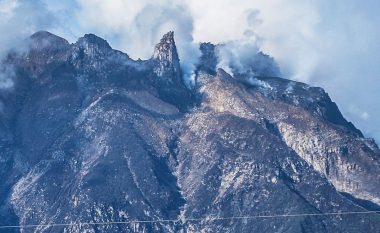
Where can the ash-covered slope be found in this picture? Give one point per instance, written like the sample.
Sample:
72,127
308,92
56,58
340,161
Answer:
89,135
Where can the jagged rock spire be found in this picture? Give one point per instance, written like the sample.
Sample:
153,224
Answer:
166,56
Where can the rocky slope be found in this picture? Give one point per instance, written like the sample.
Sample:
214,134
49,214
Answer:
89,135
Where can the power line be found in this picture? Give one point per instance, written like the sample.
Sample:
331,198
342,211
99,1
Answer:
181,221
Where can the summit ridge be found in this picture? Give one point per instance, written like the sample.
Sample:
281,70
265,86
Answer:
89,135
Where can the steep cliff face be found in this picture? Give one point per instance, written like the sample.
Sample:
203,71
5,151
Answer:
166,57
331,146
88,134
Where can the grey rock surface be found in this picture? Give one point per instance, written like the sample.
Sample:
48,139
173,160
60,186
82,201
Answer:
89,135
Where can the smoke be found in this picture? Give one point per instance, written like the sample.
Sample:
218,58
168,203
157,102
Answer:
332,44
236,56
243,56
19,19
136,26
7,75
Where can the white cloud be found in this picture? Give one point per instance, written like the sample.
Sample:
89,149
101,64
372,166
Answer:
358,112
333,44
19,19
138,25
6,77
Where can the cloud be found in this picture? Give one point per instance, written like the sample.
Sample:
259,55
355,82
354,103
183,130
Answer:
332,44
243,56
358,112
7,75
136,26
21,18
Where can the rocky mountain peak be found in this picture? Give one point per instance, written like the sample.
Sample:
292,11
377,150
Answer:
90,51
47,40
91,135
41,49
167,39
91,40
166,57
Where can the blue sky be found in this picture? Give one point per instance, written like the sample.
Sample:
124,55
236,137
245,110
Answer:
332,44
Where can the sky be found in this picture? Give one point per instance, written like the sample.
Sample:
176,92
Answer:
331,44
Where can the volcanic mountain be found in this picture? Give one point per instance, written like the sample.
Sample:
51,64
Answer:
94,141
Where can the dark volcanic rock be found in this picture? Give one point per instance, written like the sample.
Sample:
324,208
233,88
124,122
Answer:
88,135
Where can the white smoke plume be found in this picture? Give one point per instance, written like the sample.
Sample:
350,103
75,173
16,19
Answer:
7,75
138,25
243,56
19,19
332,44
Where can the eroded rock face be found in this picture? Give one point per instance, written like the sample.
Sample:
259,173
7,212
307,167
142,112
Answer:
166,57
89,135
334,149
